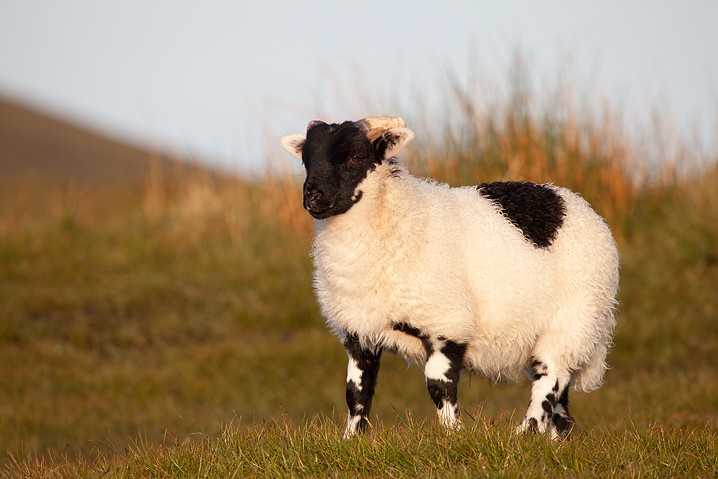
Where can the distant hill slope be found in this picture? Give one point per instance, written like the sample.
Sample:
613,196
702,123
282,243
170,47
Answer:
50,168
37,147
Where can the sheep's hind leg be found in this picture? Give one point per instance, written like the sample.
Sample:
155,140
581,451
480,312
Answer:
445,359
546,412
562,420
362,372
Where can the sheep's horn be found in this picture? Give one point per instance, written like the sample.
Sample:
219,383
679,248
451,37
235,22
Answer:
314,123
376,125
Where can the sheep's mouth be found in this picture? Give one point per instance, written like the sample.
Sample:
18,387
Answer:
339,206
321,215
321,212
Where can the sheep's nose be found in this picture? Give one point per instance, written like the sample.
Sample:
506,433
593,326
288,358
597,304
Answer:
312,196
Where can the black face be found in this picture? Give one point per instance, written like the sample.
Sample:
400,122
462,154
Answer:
337,158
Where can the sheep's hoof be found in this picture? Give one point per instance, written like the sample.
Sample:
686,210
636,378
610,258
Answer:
561,426
528,425
556,430
355,425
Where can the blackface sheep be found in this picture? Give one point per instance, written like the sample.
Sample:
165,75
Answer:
497,279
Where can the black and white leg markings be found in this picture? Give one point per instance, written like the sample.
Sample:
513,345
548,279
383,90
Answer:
362,372
445,359
548,409
561,419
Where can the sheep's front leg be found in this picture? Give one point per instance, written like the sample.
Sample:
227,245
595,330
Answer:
445,358
362,372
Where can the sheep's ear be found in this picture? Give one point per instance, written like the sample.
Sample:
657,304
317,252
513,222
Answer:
393,140
293,144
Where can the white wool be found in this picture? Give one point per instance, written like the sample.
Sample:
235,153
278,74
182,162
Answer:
354,373
447,262
436,367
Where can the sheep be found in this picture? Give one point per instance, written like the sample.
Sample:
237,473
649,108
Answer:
498,279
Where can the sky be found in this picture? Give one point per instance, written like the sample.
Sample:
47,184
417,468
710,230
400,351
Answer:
221,80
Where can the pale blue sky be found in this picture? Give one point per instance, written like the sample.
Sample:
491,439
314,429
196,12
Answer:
221,78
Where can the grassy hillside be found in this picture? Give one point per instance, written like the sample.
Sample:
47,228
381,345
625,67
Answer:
49,167
178,336
37,145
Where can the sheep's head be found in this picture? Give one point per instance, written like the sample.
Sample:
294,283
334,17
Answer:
338,156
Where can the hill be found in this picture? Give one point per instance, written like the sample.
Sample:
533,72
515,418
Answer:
48,163
44,148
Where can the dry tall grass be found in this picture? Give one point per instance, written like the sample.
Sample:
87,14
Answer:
518,137
584,145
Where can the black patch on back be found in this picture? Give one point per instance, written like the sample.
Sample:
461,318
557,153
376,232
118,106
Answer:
536,210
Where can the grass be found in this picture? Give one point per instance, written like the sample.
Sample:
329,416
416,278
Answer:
178,336
410,449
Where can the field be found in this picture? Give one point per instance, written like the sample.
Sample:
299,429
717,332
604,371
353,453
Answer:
168,329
